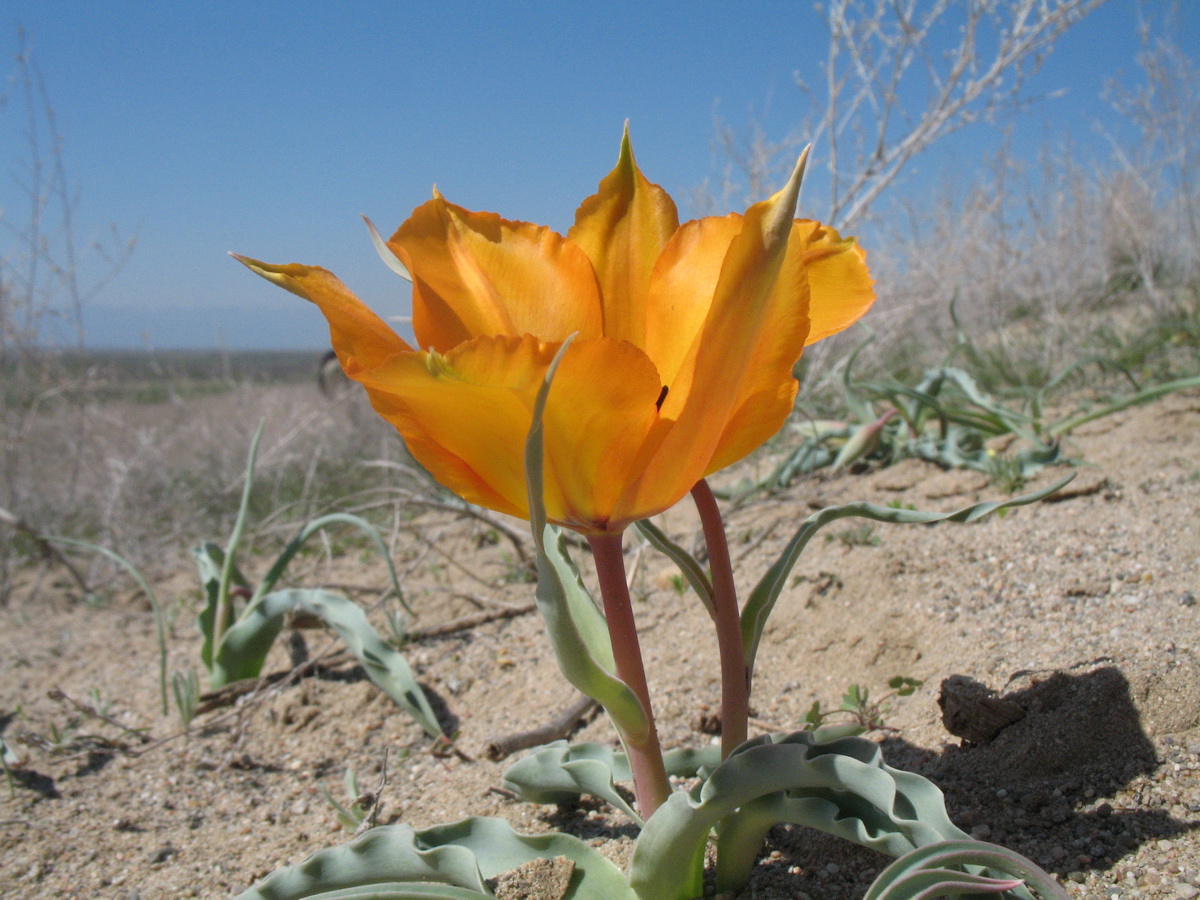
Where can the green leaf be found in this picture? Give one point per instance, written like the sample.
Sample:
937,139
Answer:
841,787
1145,396
576,627
560,772
688,565
854,698
245,646
909,875
316,525
448,861
210,560
223,614
762,599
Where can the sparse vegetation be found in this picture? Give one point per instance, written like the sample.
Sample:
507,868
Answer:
144,455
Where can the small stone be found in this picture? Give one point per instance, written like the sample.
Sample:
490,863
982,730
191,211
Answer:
162,854
981,831
1185,891
299,808
832,868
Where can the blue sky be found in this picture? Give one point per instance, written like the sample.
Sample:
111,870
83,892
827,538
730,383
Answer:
269,127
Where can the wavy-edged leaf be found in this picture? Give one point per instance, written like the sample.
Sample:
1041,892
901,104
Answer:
451,861
842,787
577,629
979,858
560,772
245,646
399,891
930,883
762,599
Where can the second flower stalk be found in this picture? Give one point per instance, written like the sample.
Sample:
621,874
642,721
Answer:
651,785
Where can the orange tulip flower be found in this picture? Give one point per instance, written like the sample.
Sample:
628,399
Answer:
686,336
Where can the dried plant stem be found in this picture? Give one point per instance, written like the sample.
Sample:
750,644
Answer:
735,678
645,755
559,727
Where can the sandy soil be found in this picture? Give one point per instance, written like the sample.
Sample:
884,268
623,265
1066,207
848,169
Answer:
1084,611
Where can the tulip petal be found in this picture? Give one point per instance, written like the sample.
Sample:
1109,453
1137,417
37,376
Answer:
361,338
708,385
822,288
681,292
477,274
842,288
465,416
623,228
602,423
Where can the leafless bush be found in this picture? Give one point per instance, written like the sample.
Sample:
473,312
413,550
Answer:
1155,211
42,298
880,56
1038,257
1025,249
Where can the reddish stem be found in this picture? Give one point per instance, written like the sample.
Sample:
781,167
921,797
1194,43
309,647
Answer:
735,677
645,756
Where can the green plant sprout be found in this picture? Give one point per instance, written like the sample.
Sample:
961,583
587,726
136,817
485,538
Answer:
185,686
237,637
864,713
351,815
862,535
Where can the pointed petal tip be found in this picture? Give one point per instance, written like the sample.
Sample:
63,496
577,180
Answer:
783,204
386,253
791,190
277,275
802,163
258,267
625,157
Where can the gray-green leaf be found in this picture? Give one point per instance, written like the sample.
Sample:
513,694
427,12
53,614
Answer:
244,648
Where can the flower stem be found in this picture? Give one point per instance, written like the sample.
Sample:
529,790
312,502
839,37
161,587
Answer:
735,678
645,756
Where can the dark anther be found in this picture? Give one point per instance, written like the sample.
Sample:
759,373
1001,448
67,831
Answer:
661,397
